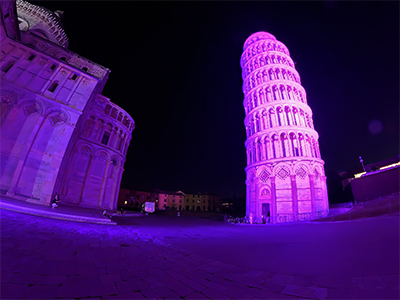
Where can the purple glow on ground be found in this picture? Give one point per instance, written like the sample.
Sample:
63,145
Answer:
46,258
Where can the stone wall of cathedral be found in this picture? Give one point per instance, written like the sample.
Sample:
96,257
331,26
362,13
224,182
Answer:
54,123
93,165
41,102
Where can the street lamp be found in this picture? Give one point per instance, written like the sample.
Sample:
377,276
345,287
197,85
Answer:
362,162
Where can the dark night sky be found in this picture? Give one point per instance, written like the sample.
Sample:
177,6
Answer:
175,68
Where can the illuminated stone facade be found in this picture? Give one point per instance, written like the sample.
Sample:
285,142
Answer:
58,133
285,172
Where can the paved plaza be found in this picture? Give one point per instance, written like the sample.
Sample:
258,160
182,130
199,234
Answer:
170,257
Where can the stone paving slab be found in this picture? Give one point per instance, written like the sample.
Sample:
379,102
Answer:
116,262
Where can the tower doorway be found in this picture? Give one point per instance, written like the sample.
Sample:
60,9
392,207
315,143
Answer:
265,210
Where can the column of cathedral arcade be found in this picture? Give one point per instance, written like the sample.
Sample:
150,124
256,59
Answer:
285,174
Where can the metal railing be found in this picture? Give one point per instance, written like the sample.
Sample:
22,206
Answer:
278,219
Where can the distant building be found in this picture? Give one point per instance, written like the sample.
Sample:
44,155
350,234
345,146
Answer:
134,199
169,200
285,172
380,179
165,200
201,202
58,133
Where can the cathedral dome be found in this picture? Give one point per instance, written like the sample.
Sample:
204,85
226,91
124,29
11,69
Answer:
42,22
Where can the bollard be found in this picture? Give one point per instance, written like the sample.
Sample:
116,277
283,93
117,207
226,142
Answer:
390,208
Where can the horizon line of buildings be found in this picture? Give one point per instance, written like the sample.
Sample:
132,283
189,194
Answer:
167,200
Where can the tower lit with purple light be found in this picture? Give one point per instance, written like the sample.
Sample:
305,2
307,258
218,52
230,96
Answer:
285,178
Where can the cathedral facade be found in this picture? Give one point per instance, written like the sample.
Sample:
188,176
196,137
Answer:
58,134
285,178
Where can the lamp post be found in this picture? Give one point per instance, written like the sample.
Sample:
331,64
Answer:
362,162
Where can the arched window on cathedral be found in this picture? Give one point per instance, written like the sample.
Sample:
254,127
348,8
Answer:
107,109
6,67
126,147
106,137
97,130
4,110
88,126
120,116
112,169
114,113
121,141
106,134
53,87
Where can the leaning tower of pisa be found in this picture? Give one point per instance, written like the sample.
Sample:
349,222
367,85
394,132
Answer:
285,179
